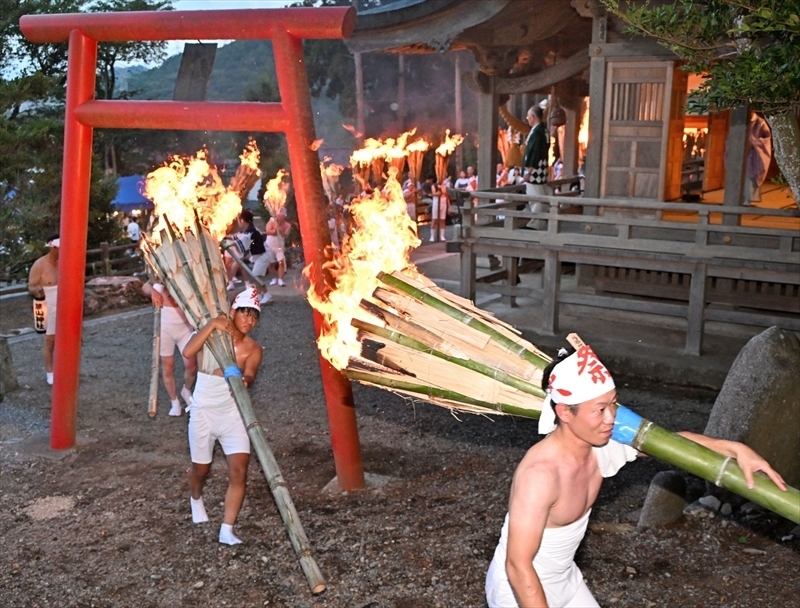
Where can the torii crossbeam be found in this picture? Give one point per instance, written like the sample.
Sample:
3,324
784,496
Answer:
286,28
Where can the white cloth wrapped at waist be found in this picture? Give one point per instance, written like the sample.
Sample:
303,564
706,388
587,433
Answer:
554,564
212,391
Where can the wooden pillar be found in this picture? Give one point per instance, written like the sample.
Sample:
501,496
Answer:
597,95
459,114
401,95
551,284
569,152
735,164
468,258
487,137
359,99
697,311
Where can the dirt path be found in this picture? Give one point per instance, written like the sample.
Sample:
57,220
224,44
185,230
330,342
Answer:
109,524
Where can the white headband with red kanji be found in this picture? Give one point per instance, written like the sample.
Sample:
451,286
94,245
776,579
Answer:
579,378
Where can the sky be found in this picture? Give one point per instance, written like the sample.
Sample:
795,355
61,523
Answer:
173,48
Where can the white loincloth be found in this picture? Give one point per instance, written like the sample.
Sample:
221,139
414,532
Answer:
213,416
51,298
275,243
554,564
175,331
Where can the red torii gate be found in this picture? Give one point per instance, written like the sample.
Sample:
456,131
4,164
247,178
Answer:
292,116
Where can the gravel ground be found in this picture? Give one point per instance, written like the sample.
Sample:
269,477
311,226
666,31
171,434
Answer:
109,525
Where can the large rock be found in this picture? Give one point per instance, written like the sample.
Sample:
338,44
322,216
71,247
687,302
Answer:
110,293
759,403
665,500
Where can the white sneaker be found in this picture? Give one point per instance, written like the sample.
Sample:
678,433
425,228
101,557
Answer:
273,282
266,298
281,283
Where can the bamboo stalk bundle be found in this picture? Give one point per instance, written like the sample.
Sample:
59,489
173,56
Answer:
398,162
637,432
426,343
377,171
502,144
191,268
248,172
442,161
152,401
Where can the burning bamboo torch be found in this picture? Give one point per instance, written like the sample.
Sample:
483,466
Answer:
389,326
443,153
416,152
186,259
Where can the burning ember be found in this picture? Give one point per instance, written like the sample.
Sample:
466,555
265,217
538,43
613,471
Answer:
275,194
185,185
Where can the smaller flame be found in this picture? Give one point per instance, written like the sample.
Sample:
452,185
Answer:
315,145
251,156
449,144
275,194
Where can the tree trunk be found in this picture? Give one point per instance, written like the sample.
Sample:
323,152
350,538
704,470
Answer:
786,147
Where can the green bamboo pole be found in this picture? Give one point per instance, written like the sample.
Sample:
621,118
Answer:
484,370
245,268
152,401
426,391
464,317
631,429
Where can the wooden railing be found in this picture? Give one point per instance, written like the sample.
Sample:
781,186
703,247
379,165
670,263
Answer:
107,260
629,233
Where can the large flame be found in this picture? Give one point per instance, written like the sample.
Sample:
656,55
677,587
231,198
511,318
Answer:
275,193
186,185
381,239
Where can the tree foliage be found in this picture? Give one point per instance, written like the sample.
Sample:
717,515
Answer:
747,49
747,52
32,89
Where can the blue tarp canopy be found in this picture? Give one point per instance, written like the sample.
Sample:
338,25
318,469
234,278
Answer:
130,195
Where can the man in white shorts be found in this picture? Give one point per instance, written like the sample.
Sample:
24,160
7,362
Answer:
278,229
557,482
175,331
214,416
43,284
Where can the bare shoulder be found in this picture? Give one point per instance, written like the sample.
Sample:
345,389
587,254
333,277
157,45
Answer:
537,474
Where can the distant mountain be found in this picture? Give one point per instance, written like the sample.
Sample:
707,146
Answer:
239,67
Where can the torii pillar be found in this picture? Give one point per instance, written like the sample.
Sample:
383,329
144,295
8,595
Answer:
286,28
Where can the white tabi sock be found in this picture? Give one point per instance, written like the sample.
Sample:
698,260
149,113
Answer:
187,396
176,408
49,377
198,510
226,535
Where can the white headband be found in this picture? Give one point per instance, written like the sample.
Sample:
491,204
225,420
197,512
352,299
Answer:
53,243
579,378
247,299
